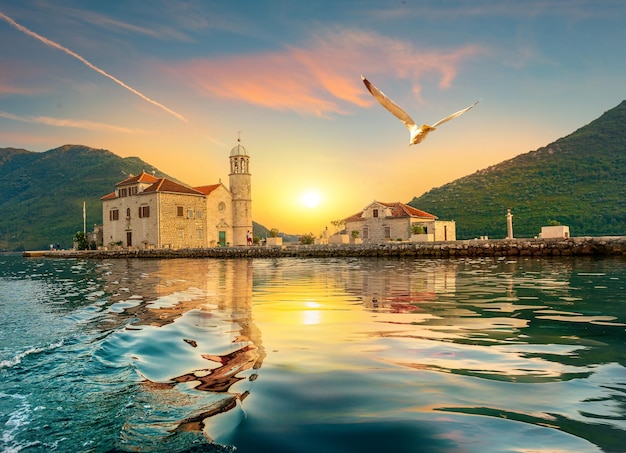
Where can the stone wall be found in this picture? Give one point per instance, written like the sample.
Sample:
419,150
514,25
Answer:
188,229
535,248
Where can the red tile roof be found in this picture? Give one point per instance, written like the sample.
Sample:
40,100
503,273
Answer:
167,185
108,196
404,210
142,177
207,189
162,185
398,210
354,217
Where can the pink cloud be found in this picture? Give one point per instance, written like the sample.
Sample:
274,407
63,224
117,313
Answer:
323,78
10,89
14,76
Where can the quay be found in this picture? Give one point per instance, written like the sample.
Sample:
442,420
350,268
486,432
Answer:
535,247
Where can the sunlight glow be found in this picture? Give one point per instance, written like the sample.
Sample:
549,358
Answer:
310,199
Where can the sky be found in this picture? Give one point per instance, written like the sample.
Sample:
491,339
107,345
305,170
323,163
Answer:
176,83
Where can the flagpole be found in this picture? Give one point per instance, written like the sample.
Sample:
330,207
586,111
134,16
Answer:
84,219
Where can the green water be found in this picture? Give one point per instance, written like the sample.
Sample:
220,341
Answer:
310,355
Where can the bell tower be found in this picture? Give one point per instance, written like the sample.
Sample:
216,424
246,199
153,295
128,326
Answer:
240,188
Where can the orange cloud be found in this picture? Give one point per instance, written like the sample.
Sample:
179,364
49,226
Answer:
323,78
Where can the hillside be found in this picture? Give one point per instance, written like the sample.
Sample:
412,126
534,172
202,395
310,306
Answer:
579,180
42,194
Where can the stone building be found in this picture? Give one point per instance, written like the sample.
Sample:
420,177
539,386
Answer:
149,212
382,222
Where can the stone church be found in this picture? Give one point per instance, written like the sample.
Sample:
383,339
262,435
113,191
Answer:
147,212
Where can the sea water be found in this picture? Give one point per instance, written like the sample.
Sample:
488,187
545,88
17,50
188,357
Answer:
312,355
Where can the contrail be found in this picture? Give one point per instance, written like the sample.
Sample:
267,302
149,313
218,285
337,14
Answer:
88,64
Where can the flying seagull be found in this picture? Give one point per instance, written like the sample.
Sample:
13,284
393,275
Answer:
417,133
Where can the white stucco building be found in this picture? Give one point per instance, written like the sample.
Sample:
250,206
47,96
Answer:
149,212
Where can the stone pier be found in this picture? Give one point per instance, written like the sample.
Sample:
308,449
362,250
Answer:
533,248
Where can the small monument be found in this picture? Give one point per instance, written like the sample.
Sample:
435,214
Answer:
509,224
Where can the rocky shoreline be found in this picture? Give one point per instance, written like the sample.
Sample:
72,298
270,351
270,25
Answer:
536,247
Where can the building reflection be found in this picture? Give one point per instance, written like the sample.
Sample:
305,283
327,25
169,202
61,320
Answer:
153,295
391,291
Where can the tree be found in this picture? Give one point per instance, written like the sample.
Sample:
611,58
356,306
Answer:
80,239
338,224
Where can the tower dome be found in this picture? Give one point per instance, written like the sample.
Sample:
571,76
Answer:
238,150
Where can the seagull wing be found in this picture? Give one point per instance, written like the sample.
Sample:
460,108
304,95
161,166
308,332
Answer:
394,108
454,115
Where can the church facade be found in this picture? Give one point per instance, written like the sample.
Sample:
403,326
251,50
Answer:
148,212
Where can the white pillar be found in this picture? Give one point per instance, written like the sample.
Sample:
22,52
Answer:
509,224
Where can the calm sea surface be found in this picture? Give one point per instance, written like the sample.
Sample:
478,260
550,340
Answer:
313,355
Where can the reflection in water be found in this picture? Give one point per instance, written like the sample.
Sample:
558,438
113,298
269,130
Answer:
283,355
188,329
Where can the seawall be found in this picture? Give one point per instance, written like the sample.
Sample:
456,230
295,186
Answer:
536,247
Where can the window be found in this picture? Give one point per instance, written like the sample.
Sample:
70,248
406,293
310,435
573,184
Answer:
199,234
375,213
144,211
221,206
387,232
190,213
199,214
128,213
366,233
114,214
132,191
123,192
181,234
180,211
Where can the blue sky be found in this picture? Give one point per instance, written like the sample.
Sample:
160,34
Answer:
173,82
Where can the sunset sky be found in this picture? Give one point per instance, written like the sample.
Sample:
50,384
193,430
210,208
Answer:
173,82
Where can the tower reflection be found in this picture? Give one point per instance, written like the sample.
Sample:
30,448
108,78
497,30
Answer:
186,327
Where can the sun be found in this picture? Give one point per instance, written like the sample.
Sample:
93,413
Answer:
310,199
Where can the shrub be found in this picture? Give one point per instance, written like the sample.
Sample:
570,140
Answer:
307,239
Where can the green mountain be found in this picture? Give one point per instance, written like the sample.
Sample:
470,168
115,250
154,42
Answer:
579,181
42,194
